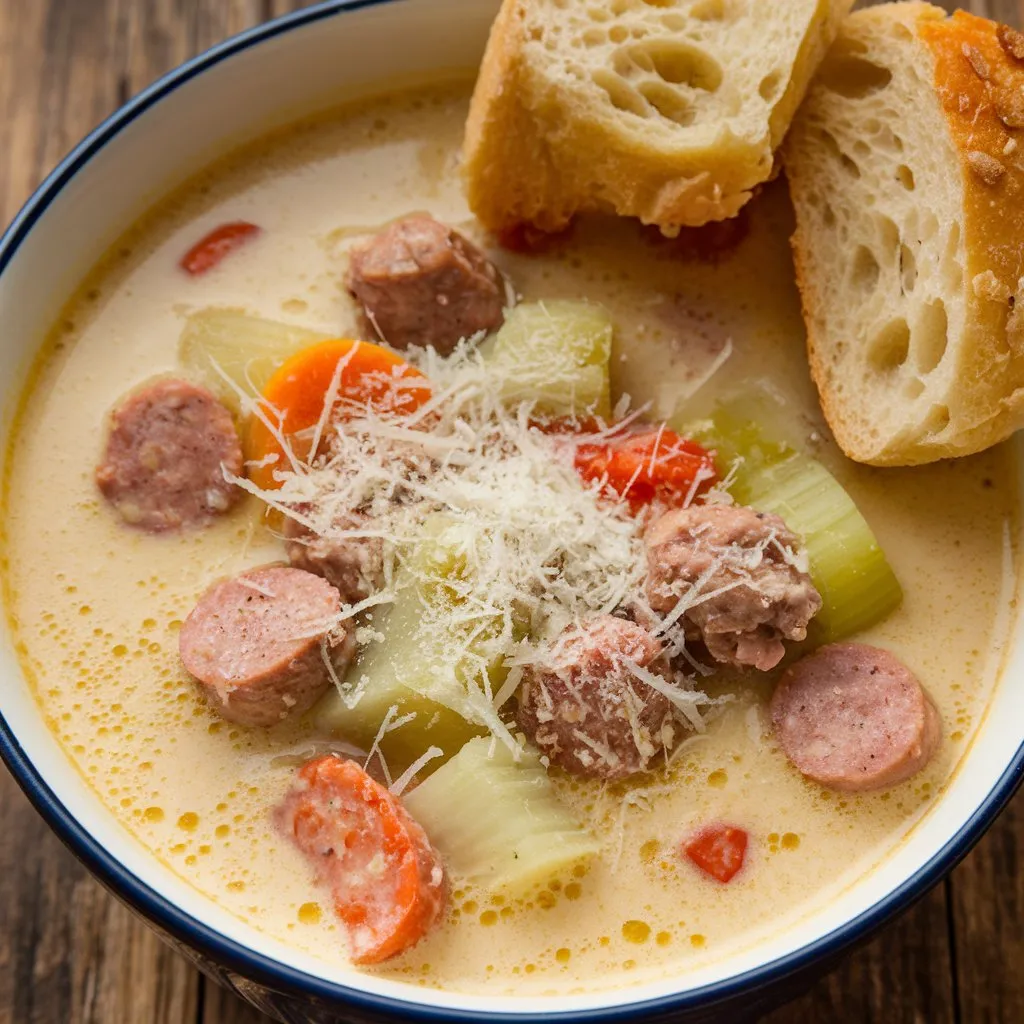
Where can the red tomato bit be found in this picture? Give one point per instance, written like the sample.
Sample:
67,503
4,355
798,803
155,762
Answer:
209,251
718,850
644,466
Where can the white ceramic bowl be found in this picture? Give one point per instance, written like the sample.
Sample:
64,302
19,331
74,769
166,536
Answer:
239,90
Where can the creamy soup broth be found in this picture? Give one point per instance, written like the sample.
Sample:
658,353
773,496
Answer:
95,607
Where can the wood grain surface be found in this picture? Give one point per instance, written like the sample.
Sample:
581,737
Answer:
69,953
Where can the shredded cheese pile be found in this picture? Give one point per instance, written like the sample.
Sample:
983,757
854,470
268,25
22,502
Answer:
482,512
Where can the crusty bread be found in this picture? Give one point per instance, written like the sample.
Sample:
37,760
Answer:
666,110
906,167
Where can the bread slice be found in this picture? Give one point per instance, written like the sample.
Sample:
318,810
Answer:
666,110
906,168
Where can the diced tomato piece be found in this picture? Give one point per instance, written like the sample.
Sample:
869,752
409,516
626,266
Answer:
644,466
209,251
718,850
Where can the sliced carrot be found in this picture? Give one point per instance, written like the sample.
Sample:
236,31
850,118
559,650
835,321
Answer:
718,850
386,880
367,374
212,248
642,467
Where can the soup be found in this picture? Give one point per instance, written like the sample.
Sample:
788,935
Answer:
98,607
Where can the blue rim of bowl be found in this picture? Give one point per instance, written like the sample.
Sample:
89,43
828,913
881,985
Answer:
280,977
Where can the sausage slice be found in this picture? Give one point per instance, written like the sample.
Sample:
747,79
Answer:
421,283
738,572
354,565
388,882
254,643
587,712
854,717
162,467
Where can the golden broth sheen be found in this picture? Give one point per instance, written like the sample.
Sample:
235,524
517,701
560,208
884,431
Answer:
96,607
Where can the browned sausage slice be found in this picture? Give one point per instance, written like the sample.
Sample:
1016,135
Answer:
854,717
421,283
162,467
737,570
352,564
587,711
254,643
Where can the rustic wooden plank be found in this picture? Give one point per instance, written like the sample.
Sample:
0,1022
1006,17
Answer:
222,1007
988,915
905,976
69,952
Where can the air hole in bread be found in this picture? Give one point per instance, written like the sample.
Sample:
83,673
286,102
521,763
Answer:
889,348
936,421
931,336
674,22
667,102
861,149
594,37
952,271
849,165
905,176
864,269
660,3
913,388
618,33
619,8
828,215
889,234
853,77
679,64
708,10
598,14
622,96
769,87
908,269
829,142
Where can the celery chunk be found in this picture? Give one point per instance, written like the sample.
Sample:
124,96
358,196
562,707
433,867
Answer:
247,349
434,658
498,822
857,585
412,670
555,353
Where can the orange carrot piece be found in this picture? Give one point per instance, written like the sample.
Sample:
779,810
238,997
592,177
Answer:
387,881
368,374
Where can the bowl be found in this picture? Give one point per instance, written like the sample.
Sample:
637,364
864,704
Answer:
263,78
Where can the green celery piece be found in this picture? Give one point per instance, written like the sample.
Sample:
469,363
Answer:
406,670
248,349
857,585
416,668
556,353
498,822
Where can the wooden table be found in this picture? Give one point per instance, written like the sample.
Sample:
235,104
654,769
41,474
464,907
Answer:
70,954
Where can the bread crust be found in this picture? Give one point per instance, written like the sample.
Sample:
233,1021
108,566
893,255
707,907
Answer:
976,80
534,152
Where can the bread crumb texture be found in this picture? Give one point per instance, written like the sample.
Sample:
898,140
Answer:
908,181
666,110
